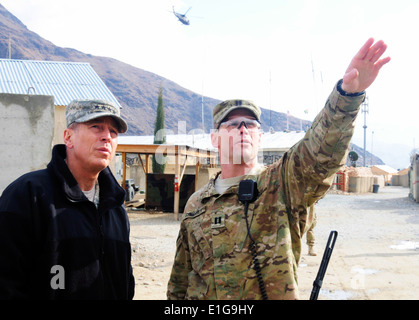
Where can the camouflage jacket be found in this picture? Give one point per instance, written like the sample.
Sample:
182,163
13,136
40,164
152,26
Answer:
213,260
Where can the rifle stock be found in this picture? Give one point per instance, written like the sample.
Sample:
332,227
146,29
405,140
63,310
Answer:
323,266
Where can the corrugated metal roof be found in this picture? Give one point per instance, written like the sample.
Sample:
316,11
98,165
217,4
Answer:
65,81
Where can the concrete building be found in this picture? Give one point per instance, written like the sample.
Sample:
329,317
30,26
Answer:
33,97
414,176
27,131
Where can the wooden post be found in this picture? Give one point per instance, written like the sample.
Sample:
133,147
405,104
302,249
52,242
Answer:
124,168
147,165
145,169
197,167
183,171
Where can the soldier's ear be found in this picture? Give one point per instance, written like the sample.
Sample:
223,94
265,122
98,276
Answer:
214,139
68,138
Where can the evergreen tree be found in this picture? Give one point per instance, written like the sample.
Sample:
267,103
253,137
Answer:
159,160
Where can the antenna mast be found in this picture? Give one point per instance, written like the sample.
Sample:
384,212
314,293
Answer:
314,83
270,100
365,110
10,47
202,108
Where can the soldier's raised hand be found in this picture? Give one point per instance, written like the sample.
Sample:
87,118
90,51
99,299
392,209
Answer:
365,66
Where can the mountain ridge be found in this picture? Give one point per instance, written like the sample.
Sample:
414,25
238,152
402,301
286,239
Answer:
136,89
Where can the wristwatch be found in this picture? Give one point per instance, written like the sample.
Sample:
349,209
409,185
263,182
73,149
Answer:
347,94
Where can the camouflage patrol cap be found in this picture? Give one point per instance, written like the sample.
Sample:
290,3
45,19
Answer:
85,110
222,110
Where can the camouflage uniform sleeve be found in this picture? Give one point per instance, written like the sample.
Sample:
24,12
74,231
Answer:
178,282
310,165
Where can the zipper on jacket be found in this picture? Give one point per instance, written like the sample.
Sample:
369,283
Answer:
101,234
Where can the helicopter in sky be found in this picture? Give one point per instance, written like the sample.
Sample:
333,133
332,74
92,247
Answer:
182,17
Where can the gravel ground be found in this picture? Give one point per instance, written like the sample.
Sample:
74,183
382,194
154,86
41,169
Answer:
375,256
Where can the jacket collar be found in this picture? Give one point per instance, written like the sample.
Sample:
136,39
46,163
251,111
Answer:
110,190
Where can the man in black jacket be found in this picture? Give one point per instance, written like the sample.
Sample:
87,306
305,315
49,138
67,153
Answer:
64,231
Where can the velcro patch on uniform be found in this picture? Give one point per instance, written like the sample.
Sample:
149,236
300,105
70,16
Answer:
217,221
195,213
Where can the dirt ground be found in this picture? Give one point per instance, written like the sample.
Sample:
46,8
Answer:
376,255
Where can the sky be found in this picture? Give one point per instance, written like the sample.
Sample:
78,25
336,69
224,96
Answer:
285,55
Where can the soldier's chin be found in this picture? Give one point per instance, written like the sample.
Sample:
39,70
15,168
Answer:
248,159
243,158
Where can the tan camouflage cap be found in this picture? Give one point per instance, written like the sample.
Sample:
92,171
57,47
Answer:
222,110
85,110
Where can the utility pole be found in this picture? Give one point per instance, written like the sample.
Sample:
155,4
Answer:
314,83
372,145
10,47
365,110
270,100
202,107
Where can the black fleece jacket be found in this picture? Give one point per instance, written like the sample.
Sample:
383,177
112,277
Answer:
55,243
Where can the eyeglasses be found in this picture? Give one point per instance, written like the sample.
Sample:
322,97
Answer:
250,124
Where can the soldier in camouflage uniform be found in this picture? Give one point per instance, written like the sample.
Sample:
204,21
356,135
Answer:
213,260
310,236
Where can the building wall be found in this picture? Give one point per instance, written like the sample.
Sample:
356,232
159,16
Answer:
400,180
60,124
270,157
26,130
414,178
